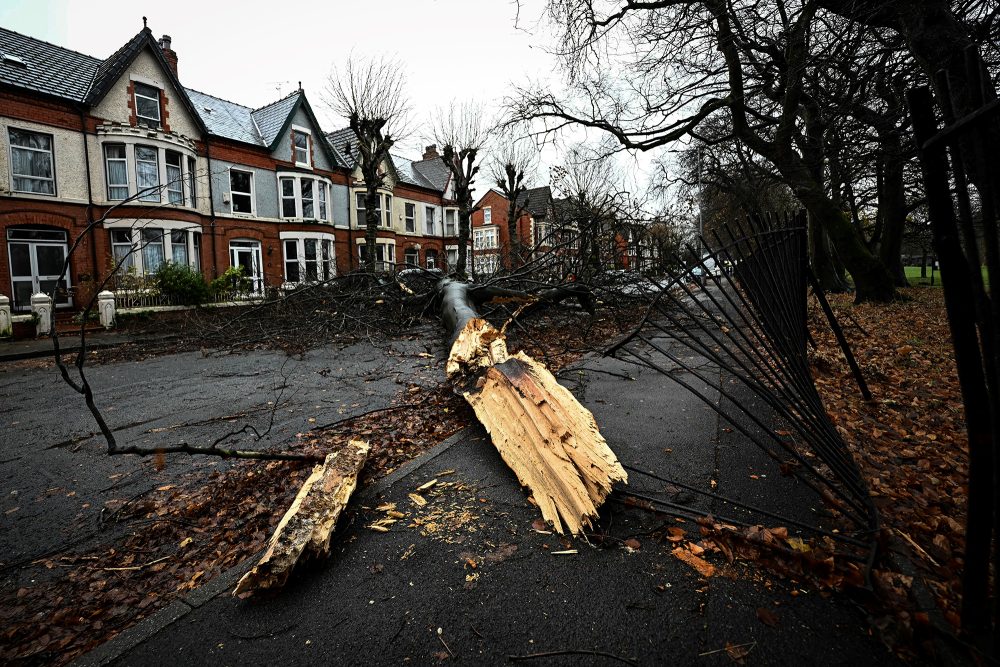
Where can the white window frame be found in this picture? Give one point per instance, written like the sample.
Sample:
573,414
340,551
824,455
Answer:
319,184
487,215
152,190
383,217
107,171
453,230
387,210
308,149
52,162
485,238
410,221
159,105
430,223
411,250
167,227
300,238
388,252
174,186
252,193
188,165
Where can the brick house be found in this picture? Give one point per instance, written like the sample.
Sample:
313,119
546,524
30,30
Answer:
491,232
117,163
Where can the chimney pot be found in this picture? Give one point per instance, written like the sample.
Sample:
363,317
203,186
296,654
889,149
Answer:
169,53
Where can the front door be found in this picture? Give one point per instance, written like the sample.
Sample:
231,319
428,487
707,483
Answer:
246,254
36,262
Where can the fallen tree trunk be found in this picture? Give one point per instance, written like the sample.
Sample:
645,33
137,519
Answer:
545,436
304,531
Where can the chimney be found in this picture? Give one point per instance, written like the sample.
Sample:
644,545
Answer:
169,53
431,152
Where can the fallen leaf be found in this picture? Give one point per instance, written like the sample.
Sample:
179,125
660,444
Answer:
703,567
633,544
417,500
767,617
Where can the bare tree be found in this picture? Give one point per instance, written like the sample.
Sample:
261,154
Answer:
462,128
371,94
512,165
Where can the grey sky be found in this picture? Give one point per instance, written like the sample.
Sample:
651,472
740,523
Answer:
254,52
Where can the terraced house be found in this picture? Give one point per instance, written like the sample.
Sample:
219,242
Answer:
118,158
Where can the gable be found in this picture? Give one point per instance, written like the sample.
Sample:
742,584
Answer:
146,68
300,120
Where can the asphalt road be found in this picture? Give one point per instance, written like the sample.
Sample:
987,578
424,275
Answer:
55,475
467,579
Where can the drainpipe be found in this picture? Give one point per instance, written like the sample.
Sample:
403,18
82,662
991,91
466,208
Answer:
90,200
211,205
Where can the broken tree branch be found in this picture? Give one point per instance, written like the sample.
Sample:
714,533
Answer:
550,441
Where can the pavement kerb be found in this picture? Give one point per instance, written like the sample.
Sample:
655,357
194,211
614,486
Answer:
178,609
35,349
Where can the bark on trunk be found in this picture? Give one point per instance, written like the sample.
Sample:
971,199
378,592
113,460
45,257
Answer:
304,531
550,441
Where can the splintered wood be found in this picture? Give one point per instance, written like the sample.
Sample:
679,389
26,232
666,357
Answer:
305,529
548,439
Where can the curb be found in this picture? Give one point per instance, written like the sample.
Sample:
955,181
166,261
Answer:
130,638
73,348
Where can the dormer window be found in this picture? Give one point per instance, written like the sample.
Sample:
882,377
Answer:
300,143
147,104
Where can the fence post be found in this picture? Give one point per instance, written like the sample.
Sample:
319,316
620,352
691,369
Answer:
41,308
106,308
6,323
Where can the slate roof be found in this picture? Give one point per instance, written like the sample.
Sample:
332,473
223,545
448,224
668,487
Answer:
224,118
49,69
338,139
116,64
408,173
435,171
271,118
536,201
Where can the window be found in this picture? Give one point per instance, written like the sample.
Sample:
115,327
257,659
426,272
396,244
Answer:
388,211
542,234
308,257
385,255
117,168
192,193
175,181
241,191
300,143
121,248
412,256
485,239
430,259
147,173
31,164
428,220
307,198
147,104
487,216
362,211
288,198
178,247
452,257
487,264
449,222
145,249
410,216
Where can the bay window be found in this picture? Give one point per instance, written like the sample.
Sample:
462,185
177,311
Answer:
143,249
485,239
388,211
305,197
155,168
308,257
385,255
32,166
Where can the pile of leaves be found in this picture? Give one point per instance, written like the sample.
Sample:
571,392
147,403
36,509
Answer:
910,440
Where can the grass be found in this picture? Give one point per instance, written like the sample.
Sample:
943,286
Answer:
913,275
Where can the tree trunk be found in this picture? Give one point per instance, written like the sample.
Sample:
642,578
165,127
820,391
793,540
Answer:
513,239
821,260
464,225
892,204
371,228
548,439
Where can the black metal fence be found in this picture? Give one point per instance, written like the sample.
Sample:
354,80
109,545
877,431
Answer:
741,307
962,183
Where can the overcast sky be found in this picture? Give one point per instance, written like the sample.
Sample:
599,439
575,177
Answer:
255,52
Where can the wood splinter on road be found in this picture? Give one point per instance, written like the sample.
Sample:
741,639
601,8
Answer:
550,441
305,529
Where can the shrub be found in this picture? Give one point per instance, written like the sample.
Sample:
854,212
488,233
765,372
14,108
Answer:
232,280
183,283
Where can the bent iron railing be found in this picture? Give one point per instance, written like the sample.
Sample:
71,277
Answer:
959,192
748,318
